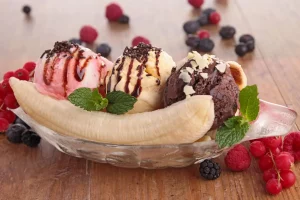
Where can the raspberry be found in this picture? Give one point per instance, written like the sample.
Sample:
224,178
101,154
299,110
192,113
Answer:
203,34
6,87
238,158
113,12
273,186
288,178
22,74
8,115
265,162
270,174
196,3
7,75
2,105
29,66
272,142
214,18
88,34
3,125
291,144
257,149
2,92
283,161
11,101
139,39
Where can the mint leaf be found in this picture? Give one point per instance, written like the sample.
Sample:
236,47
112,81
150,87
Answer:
232,132
249,103
119,102
88,99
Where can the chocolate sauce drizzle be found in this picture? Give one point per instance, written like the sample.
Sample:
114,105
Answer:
126,89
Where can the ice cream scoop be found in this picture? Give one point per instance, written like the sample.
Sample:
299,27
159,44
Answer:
204,75
142,72
68,66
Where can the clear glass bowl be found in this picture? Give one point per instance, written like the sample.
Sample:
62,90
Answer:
273,120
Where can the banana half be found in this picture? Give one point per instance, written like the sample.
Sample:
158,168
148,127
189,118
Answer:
183,122
238,74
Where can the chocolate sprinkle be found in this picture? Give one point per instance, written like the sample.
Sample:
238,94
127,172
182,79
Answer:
140,52
59,47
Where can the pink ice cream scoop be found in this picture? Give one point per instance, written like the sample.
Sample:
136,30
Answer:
67,67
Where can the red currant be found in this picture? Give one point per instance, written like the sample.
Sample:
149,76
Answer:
288,178
7,75
6,87
270,174
265,162
29,66
290,155
275,152
3,125
2,92
203,34
214,18
257,149
11,101
272,142
8,115
22,74
283,161
273,186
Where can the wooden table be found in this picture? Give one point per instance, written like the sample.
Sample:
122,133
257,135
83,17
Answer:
45,173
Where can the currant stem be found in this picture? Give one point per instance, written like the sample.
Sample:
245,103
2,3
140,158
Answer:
278,172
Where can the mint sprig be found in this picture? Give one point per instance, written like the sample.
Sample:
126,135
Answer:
235,128
116,102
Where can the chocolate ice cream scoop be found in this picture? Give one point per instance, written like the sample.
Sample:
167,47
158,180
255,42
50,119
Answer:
204,75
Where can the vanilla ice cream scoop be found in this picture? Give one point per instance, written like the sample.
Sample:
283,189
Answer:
142,72
67,67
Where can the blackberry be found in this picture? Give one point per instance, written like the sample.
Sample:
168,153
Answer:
14,133
205,45
191,27
241,49
20,121
104,49
203,19
192,41
30,138
75,41
26,9
250,46
246,38
124,19
210,170
227,32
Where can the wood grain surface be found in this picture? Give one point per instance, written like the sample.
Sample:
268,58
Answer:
45,174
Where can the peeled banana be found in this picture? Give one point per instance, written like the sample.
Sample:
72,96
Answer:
238,74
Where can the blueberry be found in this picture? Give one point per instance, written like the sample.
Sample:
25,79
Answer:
30,138
104,49
227,32
246,38
208,11
241,49
205,45
124,19
26,9
191,27
203,20
14,133
75,41
20,121
192,41
250,46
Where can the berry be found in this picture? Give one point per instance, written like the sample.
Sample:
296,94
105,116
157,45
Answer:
75,41
208,11
2,105
272,142
257,149
283,161
203,34
246,38
205,45
250,46
113,12
210,170
139,39
104,49
11,102
8,115
270,174
7,75
196,3
241,49
22,74
291,144
227,32
203,20
192,41
29,66
265,162
6,87
214,18
191,27
14,133
20,121
288,178
290,155
26,9
124,19
88,34
30,138
3,125
2,93
238,158
275,151
273,186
